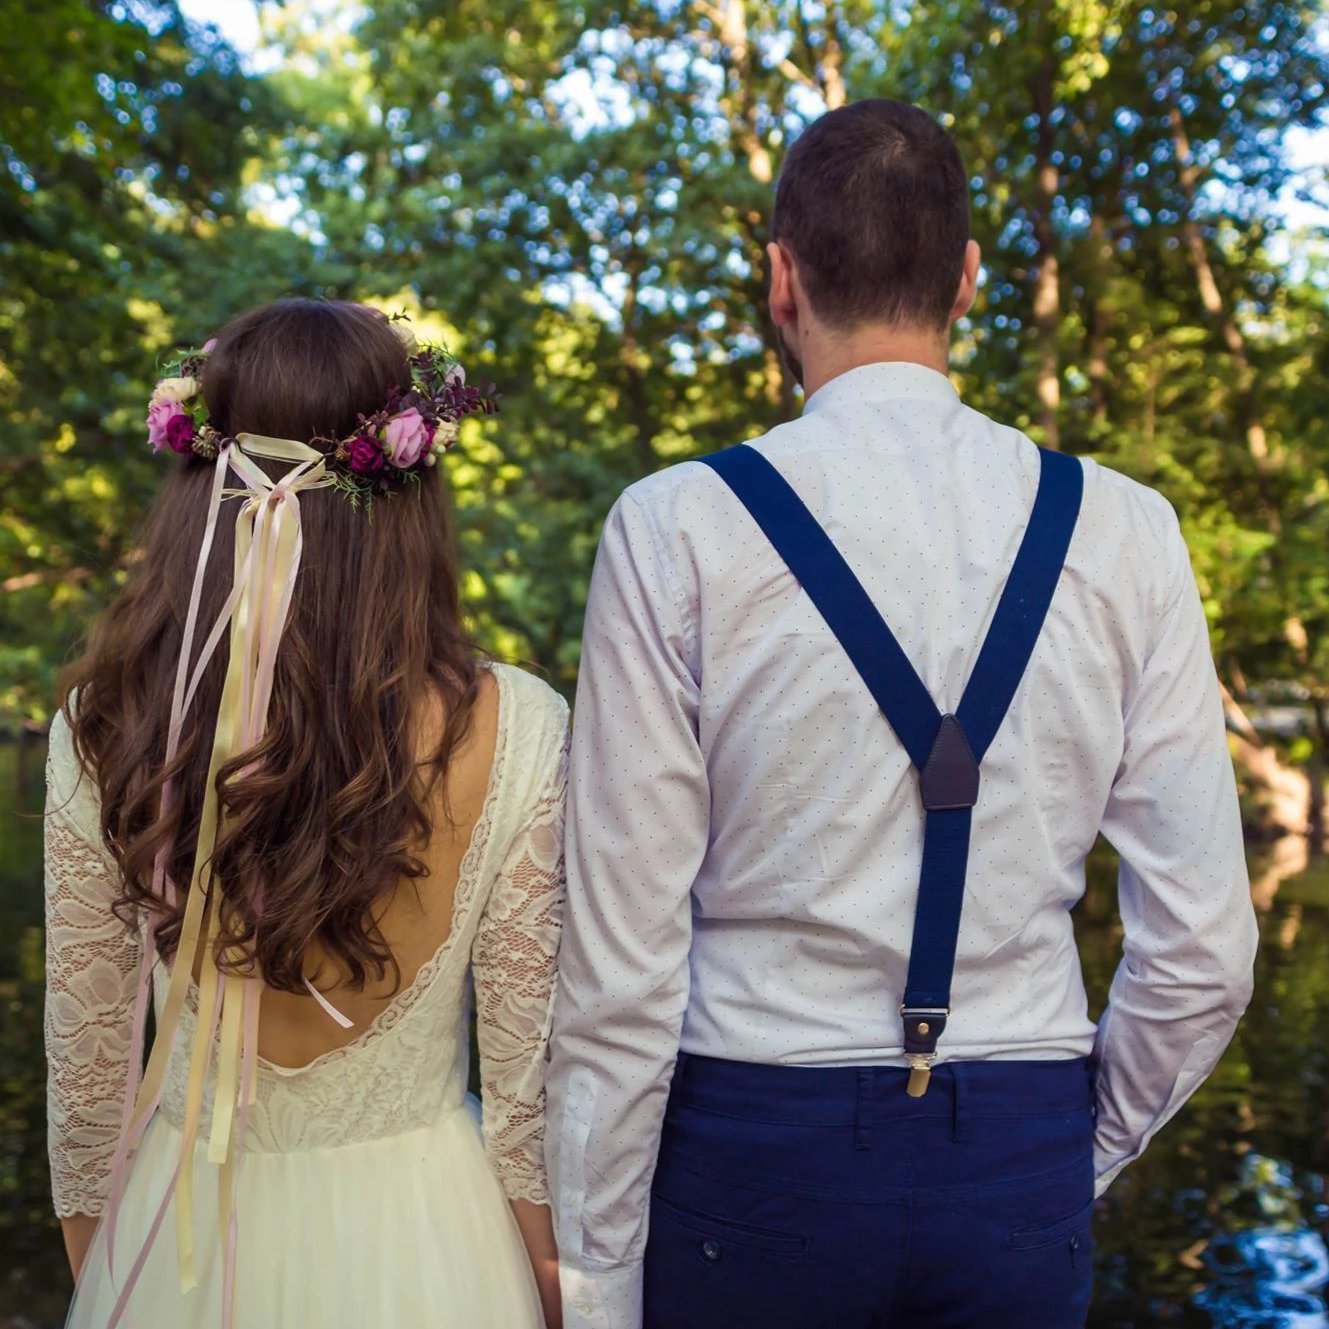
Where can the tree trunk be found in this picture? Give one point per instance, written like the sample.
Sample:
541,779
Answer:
826,59
739,100
1096,366
1283,792
1047,283
1257,442
634,368
1289,857
1188,175
832,62
1149,430
740,105
1098,323
1317,769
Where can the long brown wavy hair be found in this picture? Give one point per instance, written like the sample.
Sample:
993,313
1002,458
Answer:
334,806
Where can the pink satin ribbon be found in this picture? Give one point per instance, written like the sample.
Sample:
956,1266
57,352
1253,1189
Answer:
269,543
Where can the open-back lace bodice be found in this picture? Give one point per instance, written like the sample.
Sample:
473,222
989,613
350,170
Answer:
407,1067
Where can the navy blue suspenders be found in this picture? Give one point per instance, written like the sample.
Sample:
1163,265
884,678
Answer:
946,749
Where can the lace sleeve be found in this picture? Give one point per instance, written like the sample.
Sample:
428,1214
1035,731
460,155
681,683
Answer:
516,948
91,970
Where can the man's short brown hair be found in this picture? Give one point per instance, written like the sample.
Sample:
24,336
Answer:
873,202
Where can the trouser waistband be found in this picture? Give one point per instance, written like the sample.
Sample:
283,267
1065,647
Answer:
862,1095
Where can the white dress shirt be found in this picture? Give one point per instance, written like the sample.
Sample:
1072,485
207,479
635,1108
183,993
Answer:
745,831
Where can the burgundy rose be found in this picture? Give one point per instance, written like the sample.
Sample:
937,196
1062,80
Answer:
180,433
365,455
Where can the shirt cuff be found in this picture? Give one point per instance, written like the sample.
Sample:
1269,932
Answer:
1108,1168
601,1298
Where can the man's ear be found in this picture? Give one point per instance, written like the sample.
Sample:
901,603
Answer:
784,311
968,288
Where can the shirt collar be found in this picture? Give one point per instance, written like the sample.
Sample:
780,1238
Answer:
883,380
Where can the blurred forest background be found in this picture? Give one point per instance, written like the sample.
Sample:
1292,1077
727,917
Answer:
576,195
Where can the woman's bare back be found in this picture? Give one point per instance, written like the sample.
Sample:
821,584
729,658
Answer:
415,920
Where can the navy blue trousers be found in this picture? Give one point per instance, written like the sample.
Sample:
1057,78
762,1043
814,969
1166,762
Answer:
790,1198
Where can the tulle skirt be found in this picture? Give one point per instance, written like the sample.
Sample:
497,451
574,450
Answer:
408,1232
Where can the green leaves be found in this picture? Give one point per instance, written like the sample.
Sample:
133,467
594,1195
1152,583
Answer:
121,216
578,196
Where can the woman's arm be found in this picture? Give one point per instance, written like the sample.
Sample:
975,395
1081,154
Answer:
92,962
78,1230
536,1222
514,957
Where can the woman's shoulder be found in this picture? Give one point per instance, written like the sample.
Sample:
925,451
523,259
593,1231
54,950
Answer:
64,771
533,734
530,693
71,792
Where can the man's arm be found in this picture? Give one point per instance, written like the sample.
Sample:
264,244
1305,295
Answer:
1190,933
638,821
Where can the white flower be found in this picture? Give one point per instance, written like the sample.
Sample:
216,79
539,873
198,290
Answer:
446,434
174,389
455,377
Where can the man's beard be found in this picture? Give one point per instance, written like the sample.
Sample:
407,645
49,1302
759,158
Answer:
790,356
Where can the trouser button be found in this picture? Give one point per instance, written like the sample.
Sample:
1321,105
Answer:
710,1248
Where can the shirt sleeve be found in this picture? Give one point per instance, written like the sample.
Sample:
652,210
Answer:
639,808
514,956
92,962
1190,933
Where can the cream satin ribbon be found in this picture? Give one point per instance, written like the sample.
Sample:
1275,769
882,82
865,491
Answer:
268,546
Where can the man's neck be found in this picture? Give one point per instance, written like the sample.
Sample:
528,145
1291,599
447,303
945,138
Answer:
835,354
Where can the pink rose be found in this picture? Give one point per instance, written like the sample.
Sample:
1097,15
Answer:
160,415
406,437
209,345
180,433
365,455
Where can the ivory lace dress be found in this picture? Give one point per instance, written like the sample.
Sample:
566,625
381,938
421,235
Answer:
368,1195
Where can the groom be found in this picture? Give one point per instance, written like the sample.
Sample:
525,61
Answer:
855,703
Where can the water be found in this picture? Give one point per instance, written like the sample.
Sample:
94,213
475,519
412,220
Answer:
1224,1224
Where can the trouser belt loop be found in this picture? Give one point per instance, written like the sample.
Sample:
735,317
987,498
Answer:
963,1108
863,1111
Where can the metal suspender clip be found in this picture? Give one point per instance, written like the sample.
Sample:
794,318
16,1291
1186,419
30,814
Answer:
950,782
923,1025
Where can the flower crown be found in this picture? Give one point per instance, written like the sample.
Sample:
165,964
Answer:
417,425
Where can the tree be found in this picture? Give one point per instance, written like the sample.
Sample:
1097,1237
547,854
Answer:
127,136
579,198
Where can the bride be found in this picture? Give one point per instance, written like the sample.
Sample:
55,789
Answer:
293,813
